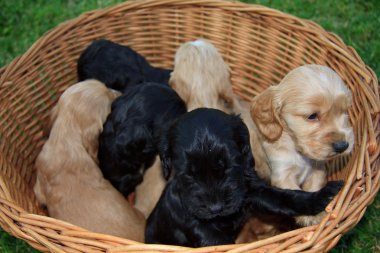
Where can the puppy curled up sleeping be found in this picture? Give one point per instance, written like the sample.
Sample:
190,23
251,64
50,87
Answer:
302,123
127,144
215,188
117,66
69,181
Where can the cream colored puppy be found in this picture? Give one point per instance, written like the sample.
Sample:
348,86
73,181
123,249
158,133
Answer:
69,181
201,77
301,123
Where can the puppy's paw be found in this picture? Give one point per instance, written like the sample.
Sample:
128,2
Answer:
326,194
308,220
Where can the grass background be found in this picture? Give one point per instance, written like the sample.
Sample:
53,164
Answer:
357,22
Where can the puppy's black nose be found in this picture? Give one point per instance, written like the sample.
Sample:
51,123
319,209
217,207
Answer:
340,146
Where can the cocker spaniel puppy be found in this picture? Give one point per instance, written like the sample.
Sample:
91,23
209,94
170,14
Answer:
69,181
201,77
127,144
301,123
215,188
117,66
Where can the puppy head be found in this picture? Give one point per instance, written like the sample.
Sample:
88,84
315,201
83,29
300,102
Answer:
311,104
201,77
115,65
209,152
128,142
85,106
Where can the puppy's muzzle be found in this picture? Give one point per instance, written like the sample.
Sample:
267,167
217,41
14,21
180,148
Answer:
340,146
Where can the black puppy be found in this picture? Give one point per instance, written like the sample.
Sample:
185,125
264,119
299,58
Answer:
215,188
117,66
127,143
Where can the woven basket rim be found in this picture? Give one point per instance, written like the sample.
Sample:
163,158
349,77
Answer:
37,237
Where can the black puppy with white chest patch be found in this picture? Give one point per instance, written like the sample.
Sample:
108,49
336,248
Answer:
215,188
127,144
117,66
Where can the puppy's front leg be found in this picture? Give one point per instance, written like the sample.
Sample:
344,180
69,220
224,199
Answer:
315,182
286,179
264,198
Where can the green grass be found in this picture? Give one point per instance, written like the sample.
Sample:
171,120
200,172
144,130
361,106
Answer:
357,22
9,244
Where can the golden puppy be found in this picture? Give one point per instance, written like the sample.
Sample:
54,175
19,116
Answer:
301,123
69,181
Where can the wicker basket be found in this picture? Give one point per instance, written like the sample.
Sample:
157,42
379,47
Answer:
260,45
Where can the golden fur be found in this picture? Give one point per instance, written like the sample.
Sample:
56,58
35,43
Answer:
69,181
201,77
298,121
261,227
149,191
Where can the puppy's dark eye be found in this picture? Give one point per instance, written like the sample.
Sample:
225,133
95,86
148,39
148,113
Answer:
313,117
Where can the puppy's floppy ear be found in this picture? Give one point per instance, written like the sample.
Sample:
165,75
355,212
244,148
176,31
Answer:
113,94
90,141
46,128
163,140
265,114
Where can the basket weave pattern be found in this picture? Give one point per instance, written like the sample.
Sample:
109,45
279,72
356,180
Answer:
259,44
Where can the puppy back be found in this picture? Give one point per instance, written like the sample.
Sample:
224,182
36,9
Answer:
200,75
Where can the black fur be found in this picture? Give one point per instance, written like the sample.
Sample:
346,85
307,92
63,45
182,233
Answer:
117,66
215,188
127,144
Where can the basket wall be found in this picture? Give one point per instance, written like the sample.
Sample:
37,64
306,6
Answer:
260,45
